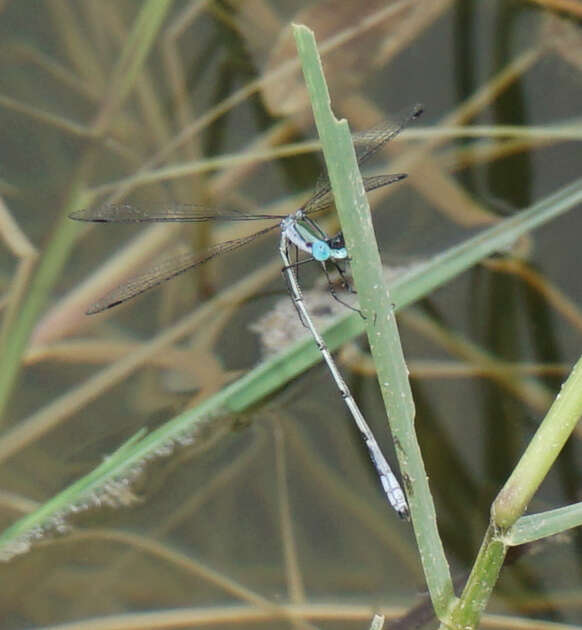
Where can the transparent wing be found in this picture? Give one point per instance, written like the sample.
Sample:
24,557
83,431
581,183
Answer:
166,270
171,212
324,201
366,143
370,141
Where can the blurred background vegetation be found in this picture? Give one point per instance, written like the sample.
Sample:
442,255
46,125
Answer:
277,512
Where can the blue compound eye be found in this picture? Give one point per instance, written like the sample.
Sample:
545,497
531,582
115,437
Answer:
320,250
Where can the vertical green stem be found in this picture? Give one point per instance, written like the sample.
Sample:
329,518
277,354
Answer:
477,591
541,452
375,302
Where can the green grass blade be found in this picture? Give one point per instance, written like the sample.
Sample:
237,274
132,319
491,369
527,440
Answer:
377,307
541,452
49,266
538,526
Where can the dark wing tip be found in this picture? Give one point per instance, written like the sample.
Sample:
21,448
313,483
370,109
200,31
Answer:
99,307
79,215
109,213
417,111
88,215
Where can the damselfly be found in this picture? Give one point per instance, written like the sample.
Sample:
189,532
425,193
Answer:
298,229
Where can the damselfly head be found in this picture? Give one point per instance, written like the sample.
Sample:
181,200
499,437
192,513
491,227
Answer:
337,241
